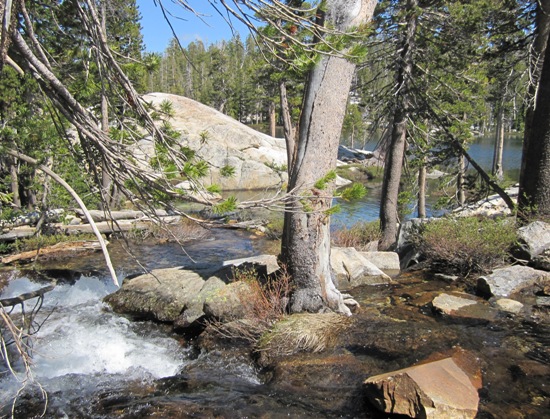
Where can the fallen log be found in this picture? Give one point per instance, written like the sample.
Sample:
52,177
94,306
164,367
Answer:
55,250
99,216
103,227
8,302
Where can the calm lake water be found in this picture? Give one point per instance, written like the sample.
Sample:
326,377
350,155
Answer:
368,208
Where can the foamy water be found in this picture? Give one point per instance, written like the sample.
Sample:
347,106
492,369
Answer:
82,336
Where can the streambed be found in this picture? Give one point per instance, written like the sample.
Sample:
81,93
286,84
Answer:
96,364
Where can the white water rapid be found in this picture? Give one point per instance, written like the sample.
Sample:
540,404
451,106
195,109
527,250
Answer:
83,343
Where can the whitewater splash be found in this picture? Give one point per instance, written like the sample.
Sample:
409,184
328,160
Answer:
82,336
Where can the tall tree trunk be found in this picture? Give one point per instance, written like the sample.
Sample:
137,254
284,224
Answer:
14,183
272,119
290,132
498,172
534,189
306,238
422,190
460,192
538,49
394,158
106,180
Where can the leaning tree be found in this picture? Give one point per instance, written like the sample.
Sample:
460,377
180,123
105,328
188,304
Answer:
312,158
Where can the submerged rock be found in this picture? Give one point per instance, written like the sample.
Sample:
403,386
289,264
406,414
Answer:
464,306
508,305
439,390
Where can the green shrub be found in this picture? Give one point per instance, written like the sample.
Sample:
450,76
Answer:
358,235
465,245
214,188
228,171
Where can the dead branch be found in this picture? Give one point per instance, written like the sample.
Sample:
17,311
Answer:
80,203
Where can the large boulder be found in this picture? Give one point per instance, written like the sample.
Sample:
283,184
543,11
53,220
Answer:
161,295
440,389
534,239
257,158
509,282
388,262
352,269
181,296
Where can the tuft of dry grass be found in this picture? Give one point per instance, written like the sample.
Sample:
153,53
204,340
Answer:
305,332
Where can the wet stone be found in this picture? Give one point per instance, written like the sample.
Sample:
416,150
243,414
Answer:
438,390
464,306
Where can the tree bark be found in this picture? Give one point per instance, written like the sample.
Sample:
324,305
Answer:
531,145
14,183
306,237
460,193
389,216
534,189
498,171
290,134
538,48
422,191
272,119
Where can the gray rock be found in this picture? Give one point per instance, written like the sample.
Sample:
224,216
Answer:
509,281
221,141
508,305
226,303
447,303
492,206
352,269
347,154
388,262
268,261
161,295
542,261
534,239
408,254
195,309
438,390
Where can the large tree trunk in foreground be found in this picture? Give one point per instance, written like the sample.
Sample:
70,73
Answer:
534,189
306,237
389,217
531,143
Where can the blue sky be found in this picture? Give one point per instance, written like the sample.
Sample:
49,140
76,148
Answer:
157,33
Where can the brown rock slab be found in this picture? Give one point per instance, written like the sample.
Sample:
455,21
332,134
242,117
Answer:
439,389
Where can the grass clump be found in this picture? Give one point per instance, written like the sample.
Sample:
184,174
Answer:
466,245
358,235
303,332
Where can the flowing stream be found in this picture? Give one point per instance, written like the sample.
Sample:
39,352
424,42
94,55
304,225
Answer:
95,364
